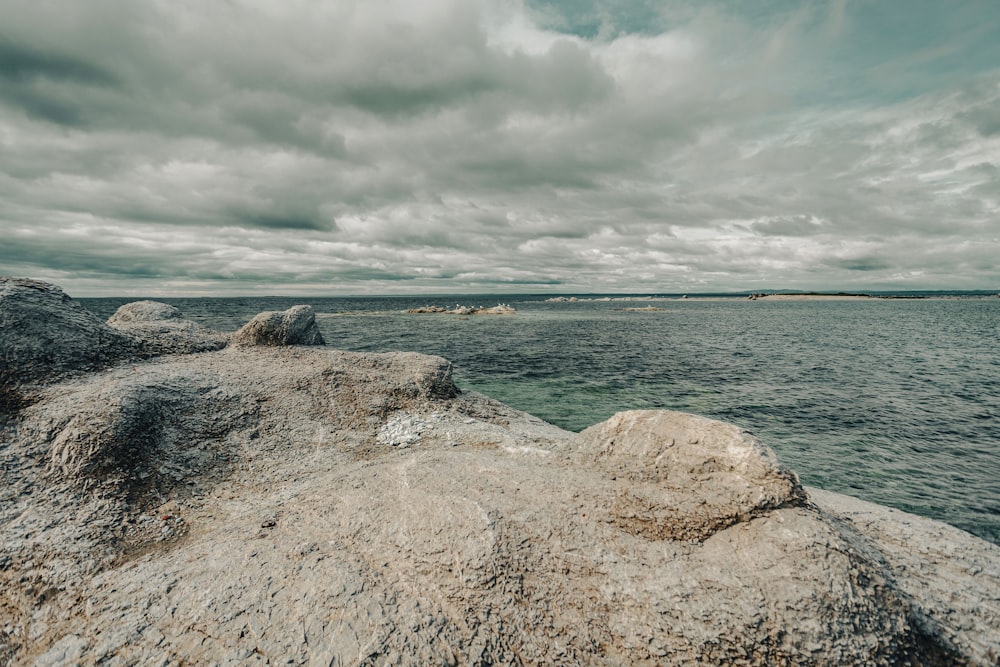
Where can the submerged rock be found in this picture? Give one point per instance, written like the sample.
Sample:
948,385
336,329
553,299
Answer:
264,504
295,326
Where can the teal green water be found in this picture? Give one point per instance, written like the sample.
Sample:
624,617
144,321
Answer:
894,401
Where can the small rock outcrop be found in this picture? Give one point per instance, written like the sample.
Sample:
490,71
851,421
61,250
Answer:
295,326
499,309
643,309
163,329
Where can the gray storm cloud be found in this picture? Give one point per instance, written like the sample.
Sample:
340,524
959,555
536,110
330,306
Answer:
388,146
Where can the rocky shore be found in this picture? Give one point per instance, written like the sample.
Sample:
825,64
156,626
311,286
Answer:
174,496
499,309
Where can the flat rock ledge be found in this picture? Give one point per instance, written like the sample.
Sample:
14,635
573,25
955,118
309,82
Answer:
270,504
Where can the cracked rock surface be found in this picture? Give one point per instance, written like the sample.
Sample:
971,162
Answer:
303,505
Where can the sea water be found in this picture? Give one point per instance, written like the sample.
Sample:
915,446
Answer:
896,401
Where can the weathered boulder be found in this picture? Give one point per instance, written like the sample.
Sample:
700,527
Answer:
295,326
45,335
163,330
142,312
689,476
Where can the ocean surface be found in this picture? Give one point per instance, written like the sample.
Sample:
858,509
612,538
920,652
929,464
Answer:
896,401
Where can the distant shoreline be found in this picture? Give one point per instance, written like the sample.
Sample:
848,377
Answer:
821,296
415,299
773,296
845,296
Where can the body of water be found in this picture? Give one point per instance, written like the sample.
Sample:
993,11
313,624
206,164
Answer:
896,401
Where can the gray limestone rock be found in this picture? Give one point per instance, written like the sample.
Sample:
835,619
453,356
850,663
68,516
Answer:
295,326
163,330
689,476
275,505
144,311
45,336
950,576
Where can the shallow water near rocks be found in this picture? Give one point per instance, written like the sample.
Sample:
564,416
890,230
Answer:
896,401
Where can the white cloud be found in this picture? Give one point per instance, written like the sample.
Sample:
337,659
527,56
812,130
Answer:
388,145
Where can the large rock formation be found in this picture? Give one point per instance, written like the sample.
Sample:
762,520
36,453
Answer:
45,336
260,505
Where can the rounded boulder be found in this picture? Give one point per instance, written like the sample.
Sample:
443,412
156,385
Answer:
295,326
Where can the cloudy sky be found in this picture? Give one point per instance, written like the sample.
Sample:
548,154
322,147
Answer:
389,146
